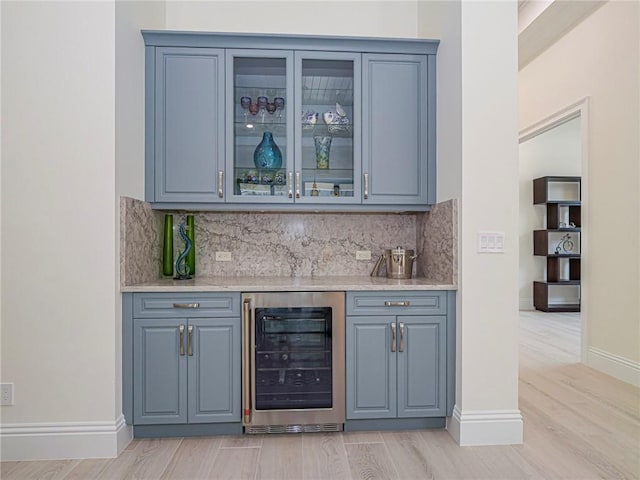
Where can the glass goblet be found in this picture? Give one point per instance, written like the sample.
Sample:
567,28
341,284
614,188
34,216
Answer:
262,105
245,103
279,103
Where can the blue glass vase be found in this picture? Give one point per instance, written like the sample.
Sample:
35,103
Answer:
267,153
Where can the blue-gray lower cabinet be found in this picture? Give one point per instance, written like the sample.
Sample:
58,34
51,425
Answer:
399,359
181,358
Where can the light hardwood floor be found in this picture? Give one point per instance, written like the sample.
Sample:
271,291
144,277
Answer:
579,424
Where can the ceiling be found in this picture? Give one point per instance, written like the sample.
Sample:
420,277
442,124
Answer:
543,22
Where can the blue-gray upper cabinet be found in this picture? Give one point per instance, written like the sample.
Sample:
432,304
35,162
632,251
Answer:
398,139
184,125
397,355
353,120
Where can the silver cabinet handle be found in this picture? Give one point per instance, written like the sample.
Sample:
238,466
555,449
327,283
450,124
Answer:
393,336
220,175
404,303
401,337
190,340
297,184
181,329
186,305
366,186
246,362
290,184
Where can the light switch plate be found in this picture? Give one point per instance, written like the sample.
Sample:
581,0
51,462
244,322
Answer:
223,256
490,242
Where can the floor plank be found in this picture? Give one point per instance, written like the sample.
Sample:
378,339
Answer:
235,464
370,461
324,457
281,458
194,459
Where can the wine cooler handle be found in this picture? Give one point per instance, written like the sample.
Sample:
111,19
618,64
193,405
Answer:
290,184
181,341
393,336
220,175
401,337
190,340
297,184
246,362
366,186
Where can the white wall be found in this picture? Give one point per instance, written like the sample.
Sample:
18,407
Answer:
600,59
61,134
554,152
312,17
58,211
477,162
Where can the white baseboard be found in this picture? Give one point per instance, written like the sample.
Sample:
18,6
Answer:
58,441
526,303
618,367
495,427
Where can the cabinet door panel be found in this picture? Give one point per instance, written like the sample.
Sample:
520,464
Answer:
395,128
189,124
422,367
214,371
159,372
371,368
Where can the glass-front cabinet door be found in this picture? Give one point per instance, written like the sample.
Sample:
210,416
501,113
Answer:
327,127
260,142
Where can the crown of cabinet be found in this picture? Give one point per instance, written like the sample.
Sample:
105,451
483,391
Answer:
558,193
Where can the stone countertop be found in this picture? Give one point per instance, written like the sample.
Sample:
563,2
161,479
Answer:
287,284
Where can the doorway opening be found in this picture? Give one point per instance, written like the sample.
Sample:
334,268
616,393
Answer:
555,146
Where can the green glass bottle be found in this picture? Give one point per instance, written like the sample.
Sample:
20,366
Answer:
167,246
191,256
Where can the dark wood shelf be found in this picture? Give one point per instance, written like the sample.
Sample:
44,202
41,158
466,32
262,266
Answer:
557,212
560,307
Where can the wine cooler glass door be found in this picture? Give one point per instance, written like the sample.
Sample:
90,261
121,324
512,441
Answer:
293,364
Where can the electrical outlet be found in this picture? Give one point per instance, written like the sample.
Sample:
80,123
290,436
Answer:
6,393
223,256
363,255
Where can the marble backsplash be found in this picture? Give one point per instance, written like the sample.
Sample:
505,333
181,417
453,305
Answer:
288,244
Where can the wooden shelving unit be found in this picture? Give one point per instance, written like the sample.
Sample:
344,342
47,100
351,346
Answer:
562,198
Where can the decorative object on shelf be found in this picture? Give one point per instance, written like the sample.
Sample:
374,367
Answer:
245,103
271,108
337,122
182,267
167,246
323,147
314,189
279,103
191,233
565,245
267,154
309,119
564,225
253,108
